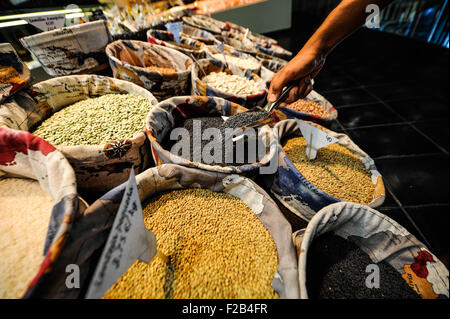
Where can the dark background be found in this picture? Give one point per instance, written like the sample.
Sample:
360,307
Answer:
392,97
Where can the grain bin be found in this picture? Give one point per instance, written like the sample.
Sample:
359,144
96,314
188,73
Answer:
246,62
383,240
98,167
71,50
85,240
163,71
207,67
165,116
39,198
299,194
190,47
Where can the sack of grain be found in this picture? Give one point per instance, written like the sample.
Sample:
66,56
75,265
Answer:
197,34
239,43
273,49
270,66
104,164
205,23
39,202
188,46
71,50
14,74
163,71
168,115
255,37
341,172
228,83
226,227
350,250
314,107
245,62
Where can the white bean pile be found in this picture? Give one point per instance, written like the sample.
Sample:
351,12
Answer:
233,84
243,63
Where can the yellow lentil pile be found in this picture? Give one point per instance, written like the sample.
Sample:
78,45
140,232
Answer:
217,248
335,170
25,212
310,107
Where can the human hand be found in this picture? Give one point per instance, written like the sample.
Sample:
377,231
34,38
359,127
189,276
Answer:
301,69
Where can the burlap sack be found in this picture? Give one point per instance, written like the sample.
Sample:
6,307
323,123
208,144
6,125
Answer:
14,74
129,59
297,193
23,155
98,167
188,46
382,239
316,97
201,88
228,50
90,230
164,116
71,50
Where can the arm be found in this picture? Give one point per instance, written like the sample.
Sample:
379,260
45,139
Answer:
347,17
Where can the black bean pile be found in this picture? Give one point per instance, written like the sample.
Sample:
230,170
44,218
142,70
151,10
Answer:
336,269
234,122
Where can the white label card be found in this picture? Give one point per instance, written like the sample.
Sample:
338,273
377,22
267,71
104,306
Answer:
175,28
315,138
128,240
47,23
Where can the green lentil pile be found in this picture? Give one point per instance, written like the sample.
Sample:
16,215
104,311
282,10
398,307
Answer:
96,120
335,170
216,248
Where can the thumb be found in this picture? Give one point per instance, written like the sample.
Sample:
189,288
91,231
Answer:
276,86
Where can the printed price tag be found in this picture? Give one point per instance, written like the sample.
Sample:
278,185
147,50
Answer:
315,138
175,28
128,240
47,23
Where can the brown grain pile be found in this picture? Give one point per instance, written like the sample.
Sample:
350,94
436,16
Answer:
161,70
310,107
335,170
217,248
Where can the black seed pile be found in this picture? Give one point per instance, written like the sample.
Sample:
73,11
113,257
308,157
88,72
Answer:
336,269
235,121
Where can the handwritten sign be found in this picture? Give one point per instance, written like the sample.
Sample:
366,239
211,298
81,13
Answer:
315,138
47,23
175,28
128,240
